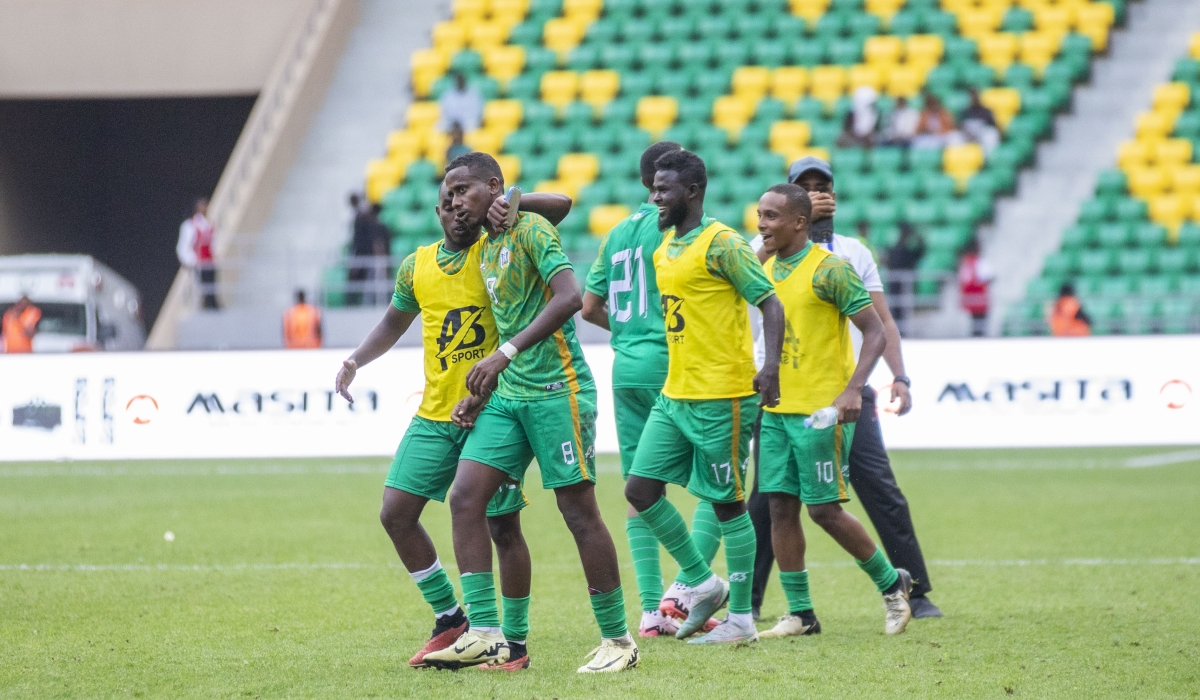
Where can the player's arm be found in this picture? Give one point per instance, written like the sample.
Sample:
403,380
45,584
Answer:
595,304
554,207
849,402
731,258
766,382
891,352
564,303
595,310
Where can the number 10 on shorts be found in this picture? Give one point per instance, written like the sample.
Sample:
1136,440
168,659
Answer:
825,472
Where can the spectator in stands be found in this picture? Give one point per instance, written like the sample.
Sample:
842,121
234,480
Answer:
979,124
902,124
935,126
1067,317
371,241
302,325
858,128
19,325
904,258
195,251
457,147
462,105
974,276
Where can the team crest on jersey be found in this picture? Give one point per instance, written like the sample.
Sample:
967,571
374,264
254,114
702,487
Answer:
504,256
638,215
462,336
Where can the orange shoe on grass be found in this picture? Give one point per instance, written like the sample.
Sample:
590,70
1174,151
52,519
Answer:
449,628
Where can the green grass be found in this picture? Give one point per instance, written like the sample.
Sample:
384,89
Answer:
280,583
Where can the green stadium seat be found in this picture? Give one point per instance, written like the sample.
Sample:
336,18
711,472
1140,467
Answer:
731,54
1114,235
1117,287
1189,286
1157,287
978,76
882,213
1019,75
751,27
1060,264
616,57
585,57
597,193
1095,210
854,185
636,31
1178,316
1139,316
527,34
1150,235
1088,286
1017,19
1096,262
897,185
1136,261
905,22
1131,210
848,159
960,212
1078,236
863,25
832,25
1110,183
959,49
1189,236
1173,261
925,159
886,159
923,212
525,87
1186,70
1188,125
981,184
1043,289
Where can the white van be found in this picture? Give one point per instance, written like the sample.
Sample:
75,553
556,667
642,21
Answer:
85,305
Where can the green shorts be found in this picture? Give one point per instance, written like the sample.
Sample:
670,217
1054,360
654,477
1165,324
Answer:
632,409
717,430
813,465
560,432
427,459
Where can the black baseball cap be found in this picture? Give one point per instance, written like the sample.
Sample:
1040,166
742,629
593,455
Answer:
809,163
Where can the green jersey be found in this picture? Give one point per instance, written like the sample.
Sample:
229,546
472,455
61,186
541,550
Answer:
517,267
834,281
624,274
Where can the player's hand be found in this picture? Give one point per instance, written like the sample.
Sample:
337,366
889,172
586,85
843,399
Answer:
766,383
823,205
498,214
900,392
848,405
483,377
467,410
345,375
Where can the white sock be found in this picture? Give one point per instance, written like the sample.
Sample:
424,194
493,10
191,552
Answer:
423,574
447,613
740,619
486,630
624,640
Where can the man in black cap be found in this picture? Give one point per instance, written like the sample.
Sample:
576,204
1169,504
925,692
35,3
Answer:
870,470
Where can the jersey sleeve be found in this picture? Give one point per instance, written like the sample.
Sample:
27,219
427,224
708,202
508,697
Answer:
835,282
730,258
404,298
597,278
545,248
863,262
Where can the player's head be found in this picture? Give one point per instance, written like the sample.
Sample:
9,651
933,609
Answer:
457,238
300,296
650,156
783,213
813,174
679,183
473,181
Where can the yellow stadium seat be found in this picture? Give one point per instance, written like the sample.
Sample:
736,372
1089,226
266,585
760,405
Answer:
864,75
587,10
751,81
750,217
655,113
563,34
504,62
1194,45
559,87
1038,49
883,50
603,218
383,174
810,10
814,151
578,167
962,161
788,83
430,59
404,144
485,140
997,50
787,136
1170,210
436,144
906,80
1146,182
471,10
1172,97
976,23
421,116
925,49
1055,19
450,36
1133,154
1173,152
570,189
486,35
1004,103
510,168
1098,13
503,116
828,83
884,9
956,6
599,87
1097,32
1153,126
1186,180
510,12
733,112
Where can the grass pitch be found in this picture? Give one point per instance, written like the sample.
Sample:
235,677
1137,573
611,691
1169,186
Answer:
1061,573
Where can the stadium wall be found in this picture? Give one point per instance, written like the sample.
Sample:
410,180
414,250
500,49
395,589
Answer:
967,394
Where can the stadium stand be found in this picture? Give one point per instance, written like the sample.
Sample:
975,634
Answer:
577,88
1133,256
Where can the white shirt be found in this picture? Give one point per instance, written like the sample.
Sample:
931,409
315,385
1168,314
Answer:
465,108
849,249
185,249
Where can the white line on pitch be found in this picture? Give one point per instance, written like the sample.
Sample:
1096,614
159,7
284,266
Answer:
1163,459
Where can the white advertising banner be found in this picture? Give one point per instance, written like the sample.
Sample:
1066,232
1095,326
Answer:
967,393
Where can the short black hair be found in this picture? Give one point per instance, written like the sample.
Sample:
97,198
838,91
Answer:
797,198
479,165
1066,290
688,165
651,155
300,296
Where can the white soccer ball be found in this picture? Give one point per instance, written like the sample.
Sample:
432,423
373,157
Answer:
169,536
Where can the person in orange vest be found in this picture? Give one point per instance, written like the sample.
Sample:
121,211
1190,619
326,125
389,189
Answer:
302,325
974,275
1067,317
20,325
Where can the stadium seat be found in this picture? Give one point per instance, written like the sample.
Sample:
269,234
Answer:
602,219
656,113
1004,102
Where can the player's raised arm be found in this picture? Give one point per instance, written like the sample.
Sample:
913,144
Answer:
551,205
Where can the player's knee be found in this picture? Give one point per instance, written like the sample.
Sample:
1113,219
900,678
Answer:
825,515
396,520
505,531
785,512
464,501
641,493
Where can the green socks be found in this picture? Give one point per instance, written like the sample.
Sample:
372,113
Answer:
516,619
479,596
609,609
880,570
643,547
739,557
436,588
668,527
795,587
706,531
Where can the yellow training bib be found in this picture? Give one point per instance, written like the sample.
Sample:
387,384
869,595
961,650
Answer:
818,357
709,346
457,328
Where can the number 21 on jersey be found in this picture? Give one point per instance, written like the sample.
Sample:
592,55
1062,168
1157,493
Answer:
626,260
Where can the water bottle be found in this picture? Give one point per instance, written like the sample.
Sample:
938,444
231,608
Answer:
825,418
